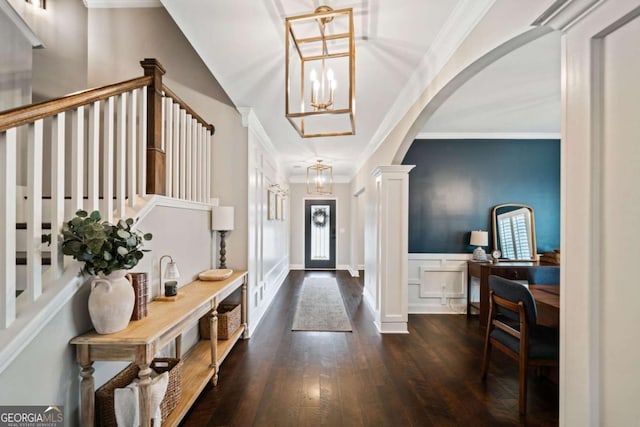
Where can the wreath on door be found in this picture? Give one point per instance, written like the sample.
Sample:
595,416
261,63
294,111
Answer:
319,217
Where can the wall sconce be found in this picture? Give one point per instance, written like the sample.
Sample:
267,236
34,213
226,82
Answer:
282,192
171,286
479,239
222,222
41,4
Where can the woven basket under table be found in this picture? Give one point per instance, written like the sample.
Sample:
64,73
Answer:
105,412
229,317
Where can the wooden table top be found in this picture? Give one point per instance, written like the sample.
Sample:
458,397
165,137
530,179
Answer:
548,295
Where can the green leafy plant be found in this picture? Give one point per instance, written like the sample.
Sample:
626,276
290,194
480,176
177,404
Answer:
102,246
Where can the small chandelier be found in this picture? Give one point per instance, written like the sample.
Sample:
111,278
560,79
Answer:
320,179
320,72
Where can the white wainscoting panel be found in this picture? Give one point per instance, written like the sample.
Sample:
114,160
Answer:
438,283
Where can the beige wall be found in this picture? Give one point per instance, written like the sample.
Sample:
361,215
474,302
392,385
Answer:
118,39
61,67
15,71
343,196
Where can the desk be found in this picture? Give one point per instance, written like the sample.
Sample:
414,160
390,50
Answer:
514,270
548,303
165,322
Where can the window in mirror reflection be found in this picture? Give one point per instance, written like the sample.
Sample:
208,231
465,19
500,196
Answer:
514,238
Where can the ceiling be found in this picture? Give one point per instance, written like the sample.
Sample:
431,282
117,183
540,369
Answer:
242,42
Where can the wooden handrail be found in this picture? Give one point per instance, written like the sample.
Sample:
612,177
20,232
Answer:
171,94
22,115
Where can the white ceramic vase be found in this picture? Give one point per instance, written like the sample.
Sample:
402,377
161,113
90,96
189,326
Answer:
111,302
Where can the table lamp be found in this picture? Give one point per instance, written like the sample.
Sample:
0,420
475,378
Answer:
222,222
171,273
479,238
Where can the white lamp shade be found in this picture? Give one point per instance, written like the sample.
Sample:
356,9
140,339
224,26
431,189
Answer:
222,218
479,238
172,271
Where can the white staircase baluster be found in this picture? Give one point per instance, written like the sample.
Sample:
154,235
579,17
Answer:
57,191
93,158
188,157
132,146
33,287
8,155
121,153
168,143
197,161
203,163
142,146
77,159
107,161
183,154
194,159
175,140
209,163
201,160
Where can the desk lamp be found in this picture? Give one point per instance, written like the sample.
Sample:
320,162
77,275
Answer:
479,238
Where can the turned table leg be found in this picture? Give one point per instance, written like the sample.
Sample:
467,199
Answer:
144,358
87,402
243,312
213,327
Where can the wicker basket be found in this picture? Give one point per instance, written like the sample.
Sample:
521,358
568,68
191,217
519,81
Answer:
228,322
105,413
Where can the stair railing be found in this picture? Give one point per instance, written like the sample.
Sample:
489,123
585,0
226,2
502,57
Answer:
100,149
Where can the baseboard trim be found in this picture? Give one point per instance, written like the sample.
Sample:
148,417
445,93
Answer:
392,327
353,273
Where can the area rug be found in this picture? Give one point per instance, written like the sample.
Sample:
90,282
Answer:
320,307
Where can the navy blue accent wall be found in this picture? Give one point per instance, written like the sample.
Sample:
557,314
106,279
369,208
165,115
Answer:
456,183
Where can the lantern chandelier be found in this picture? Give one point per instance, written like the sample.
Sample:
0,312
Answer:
320,179
320,72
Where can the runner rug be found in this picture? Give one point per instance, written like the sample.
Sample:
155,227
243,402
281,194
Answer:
320,307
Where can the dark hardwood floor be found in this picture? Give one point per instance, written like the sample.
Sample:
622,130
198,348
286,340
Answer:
430,377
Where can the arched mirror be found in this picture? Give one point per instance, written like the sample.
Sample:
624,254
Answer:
514,232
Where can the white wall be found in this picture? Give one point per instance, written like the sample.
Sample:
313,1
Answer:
438,283
268,240
343,197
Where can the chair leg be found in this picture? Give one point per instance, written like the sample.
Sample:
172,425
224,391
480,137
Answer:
522,400
485,357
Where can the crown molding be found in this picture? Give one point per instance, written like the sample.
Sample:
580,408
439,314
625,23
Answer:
252,123
119,4
455,30
22,25
562,14
488,135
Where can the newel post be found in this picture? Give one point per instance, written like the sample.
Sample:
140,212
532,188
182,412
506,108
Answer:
155,154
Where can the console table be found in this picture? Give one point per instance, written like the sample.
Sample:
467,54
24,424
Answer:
514,270
165,322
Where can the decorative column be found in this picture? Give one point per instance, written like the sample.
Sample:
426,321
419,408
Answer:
391,195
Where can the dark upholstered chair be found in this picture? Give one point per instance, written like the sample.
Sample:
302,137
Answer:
545,275
512,329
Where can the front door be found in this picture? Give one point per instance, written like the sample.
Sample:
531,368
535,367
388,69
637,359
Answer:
320,234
